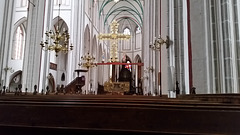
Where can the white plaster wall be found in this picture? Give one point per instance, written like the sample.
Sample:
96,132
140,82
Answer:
20,13
62,63
138,45
65,15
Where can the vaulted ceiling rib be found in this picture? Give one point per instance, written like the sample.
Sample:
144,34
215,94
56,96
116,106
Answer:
123,9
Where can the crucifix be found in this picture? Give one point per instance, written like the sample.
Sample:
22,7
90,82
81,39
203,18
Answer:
114,36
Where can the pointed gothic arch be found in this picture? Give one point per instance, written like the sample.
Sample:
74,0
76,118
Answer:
138,75
93,81
15,80
137,59
16,52
62,60
86,45
126,58
23,21
94,46
61,23
18,44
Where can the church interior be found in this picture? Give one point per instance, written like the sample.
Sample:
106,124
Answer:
119,66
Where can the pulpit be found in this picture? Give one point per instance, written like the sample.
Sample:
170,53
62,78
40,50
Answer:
76,85
80,80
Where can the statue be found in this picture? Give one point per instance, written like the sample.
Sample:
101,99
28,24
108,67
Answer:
35,90
0,89
193,90
4,90
16,91
26,89
47,92
42,92
177,88
19,89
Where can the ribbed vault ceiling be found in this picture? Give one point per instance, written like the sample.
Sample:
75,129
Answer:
124,11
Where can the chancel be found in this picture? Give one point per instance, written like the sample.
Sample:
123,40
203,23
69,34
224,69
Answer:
119,66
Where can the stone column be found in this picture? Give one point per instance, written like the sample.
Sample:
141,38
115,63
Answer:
45,60
146,49
6,32
157,52
165,51
77,35
171,50
32,56
151,39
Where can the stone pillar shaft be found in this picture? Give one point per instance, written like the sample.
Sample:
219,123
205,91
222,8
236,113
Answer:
32,55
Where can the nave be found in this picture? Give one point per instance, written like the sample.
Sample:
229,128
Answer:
176,71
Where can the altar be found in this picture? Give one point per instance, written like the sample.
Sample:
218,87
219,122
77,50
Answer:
116,88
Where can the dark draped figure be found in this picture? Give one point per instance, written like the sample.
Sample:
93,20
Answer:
125,75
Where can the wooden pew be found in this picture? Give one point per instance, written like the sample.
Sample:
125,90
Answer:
221,98
115,115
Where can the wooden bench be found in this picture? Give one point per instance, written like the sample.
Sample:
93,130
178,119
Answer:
221,98
115,115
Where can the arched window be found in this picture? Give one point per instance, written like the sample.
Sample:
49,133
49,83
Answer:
126,59
18,43
126,43
126,31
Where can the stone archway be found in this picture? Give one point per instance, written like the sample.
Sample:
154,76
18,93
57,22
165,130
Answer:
15,81
61,61
138,75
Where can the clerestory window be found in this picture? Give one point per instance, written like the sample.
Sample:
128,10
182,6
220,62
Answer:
18,43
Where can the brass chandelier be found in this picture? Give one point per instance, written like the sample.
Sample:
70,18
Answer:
160,41
88,61
57,41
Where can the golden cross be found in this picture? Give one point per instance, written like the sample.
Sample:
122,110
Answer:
114,37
